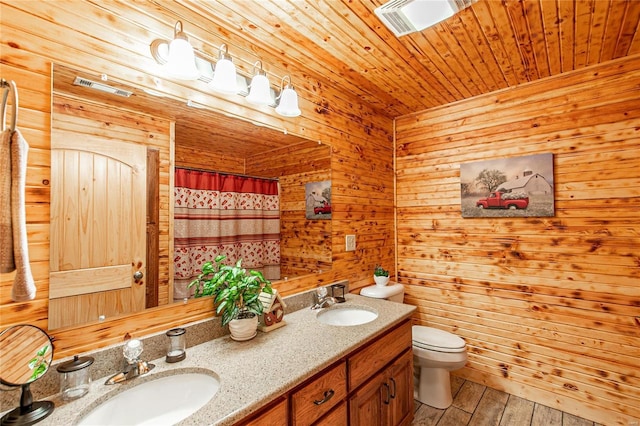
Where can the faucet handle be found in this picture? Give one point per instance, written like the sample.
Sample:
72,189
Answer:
321,292
132,350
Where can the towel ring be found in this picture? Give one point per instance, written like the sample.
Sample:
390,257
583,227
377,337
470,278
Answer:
9,87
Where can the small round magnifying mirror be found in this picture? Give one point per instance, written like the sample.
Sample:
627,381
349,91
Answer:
26,352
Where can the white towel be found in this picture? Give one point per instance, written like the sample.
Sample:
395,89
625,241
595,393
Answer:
6,232
24,287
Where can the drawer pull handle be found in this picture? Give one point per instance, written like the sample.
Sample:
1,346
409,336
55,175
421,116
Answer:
393,393
327,396
387,399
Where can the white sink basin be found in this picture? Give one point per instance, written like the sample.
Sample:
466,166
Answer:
347,315
163,401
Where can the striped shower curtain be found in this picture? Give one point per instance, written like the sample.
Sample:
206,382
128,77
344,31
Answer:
217,213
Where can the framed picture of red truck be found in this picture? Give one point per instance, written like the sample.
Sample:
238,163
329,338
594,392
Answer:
318,200
508,187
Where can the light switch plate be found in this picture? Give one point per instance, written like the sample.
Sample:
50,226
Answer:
350,242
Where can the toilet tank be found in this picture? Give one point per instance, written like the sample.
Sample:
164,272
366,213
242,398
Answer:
392,291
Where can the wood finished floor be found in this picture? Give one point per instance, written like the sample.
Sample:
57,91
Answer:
478,405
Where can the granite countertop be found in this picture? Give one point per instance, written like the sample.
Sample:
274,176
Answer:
278,361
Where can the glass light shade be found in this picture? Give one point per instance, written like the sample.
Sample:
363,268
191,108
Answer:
288,105
260,90
181,62
224,77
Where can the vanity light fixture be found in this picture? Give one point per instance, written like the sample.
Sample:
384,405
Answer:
259,89
177,56
224,75
288,105
181,61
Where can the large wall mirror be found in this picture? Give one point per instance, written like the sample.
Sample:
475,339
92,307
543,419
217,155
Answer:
113,152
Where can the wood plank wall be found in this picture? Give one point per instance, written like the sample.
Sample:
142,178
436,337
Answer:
549,307
113,38
306,244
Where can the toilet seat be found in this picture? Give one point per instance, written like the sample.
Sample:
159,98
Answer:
434,339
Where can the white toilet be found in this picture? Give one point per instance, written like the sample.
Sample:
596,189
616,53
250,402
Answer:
435,353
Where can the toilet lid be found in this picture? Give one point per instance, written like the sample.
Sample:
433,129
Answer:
381,292
436,339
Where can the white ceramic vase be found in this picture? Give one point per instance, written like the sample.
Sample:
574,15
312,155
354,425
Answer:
244,329
381,281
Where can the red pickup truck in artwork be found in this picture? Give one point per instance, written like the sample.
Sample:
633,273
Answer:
504,200
325,208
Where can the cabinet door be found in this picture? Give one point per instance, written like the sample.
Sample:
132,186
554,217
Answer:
401,383
367,407
387,399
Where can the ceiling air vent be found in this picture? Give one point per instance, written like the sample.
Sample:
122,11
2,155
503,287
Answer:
409,16
79,81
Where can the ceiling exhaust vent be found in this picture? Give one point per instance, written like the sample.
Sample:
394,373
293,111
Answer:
409,16
79,81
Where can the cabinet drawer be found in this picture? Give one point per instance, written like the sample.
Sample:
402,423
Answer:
368,361
320,395
337,416
273,415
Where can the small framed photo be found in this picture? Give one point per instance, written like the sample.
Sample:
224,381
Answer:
318,200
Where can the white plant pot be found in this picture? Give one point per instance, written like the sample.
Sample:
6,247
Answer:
381,281
244,329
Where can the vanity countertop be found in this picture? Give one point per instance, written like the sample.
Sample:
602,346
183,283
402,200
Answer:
278,360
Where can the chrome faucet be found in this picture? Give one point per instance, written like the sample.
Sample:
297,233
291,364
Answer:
134,366
323,299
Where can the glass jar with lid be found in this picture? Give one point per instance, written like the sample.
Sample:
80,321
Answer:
176,349
75,377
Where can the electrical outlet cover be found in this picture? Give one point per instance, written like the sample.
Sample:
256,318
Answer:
350,242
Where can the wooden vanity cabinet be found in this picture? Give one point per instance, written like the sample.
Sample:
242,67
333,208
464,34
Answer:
371,386
386,399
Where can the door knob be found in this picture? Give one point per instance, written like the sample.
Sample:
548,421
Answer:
138,275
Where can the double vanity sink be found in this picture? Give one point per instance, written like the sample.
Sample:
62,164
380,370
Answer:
223,381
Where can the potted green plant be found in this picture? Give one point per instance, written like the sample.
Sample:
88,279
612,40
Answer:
236,294
380,275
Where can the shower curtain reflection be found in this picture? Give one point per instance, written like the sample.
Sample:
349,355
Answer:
217,213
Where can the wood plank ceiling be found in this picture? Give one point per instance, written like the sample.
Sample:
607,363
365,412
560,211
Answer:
491,45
